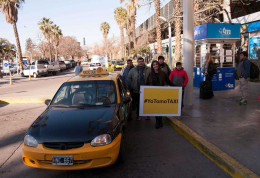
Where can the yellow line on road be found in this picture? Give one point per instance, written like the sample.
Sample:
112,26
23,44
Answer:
22,100
223,160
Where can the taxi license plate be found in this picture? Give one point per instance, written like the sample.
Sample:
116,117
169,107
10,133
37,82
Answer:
62,160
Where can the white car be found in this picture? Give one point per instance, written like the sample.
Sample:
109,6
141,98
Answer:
35,70
94,66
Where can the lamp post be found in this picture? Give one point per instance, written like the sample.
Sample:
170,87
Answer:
170,40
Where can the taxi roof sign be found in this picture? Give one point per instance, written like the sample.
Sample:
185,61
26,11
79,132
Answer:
99,71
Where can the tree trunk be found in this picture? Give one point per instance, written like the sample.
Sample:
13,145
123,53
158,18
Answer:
133,28
56,53
158,28
50,48
122,41
129,45
20,59
178,25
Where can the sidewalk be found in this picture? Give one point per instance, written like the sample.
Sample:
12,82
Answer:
233,128
6,78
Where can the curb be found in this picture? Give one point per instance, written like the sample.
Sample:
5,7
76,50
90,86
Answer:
223,160
23,100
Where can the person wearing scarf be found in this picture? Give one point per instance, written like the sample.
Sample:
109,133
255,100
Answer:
137,77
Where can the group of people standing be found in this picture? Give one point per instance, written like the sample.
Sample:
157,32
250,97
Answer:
159,74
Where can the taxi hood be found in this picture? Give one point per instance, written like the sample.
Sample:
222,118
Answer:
57,124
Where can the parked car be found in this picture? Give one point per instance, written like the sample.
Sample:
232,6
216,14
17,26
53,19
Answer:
62,65
94,66
73,63
35,71
68,64
119,64
85,62
51,67
83,126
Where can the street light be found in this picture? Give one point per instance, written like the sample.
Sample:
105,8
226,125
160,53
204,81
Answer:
170,40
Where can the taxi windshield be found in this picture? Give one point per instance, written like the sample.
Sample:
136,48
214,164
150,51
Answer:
120,63
85,93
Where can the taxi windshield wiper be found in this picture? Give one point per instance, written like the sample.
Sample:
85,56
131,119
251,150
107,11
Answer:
60,105
83,104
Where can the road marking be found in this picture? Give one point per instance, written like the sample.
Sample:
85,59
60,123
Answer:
22,100
223,160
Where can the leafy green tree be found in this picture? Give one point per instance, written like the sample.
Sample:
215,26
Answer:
10,9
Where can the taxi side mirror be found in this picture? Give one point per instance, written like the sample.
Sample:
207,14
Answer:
47,102
126,99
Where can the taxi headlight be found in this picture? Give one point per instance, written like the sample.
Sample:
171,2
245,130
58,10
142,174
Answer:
30,141
101,140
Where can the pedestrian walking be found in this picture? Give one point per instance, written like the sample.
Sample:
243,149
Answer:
78,69
126,70
179,77
243,72
157,78
137,77
164,67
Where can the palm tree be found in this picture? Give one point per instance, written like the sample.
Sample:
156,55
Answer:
46,28
104,27
56,35
158,27
120,17
132,5
177,27
128,28
10,9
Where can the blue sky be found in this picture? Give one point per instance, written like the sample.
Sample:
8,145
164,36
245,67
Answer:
80,18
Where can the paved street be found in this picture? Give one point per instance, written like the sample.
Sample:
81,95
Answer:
150,152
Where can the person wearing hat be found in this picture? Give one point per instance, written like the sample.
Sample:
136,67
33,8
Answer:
164,67
179,77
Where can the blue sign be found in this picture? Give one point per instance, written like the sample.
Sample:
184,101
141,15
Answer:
254,47
6,64
217,30
200,32
254,26
224,79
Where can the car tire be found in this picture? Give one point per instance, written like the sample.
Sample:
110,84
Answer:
22,74
34,75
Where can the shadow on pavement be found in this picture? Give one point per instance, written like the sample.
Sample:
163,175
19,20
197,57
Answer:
3,103
12,138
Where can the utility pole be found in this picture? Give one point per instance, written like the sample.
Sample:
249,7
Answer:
188,48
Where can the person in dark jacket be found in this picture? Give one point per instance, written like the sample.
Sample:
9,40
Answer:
243,72
209,67
137,77
179,77
164,67
126,70
157,78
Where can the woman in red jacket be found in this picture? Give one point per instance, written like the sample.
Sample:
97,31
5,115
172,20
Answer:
179,77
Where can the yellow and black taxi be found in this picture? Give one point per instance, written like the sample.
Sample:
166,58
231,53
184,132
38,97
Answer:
119,64
82,126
